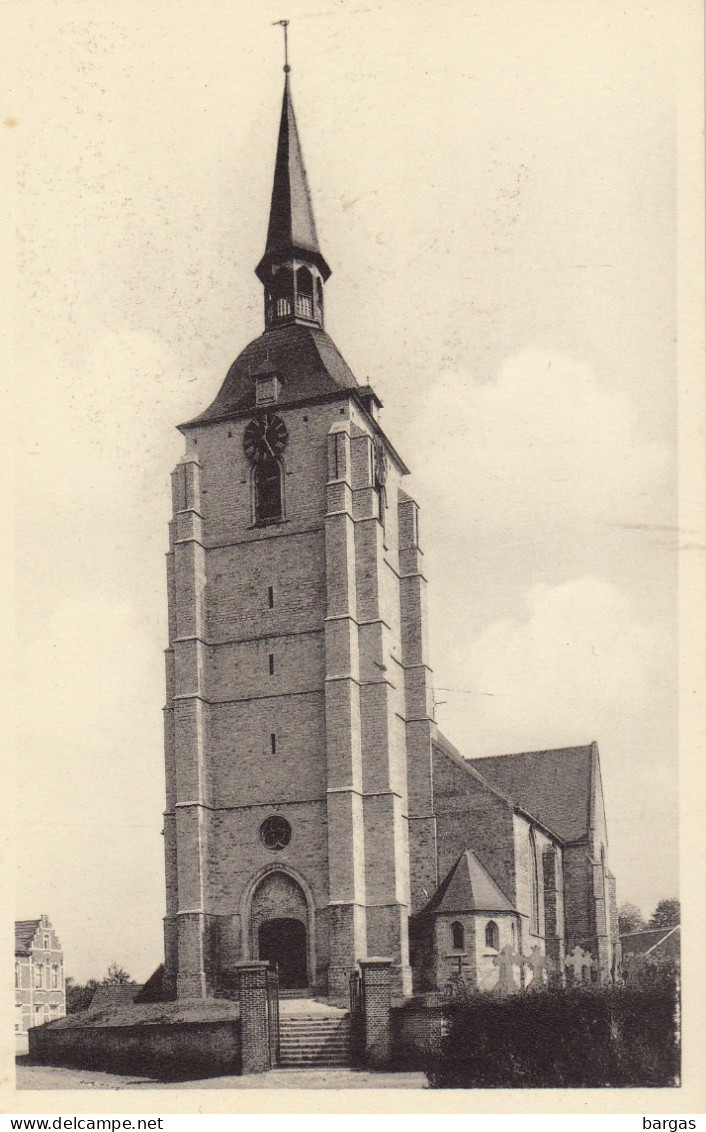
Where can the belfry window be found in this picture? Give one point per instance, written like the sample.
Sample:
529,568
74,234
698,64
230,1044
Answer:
267,484
305,293
492,935
457,936
282,293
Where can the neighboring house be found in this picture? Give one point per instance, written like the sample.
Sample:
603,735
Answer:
40,994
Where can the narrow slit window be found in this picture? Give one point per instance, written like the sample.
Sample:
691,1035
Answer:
273,743
272,664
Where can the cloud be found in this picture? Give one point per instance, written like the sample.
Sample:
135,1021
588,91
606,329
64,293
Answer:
89,690
90,786
577,666
545,445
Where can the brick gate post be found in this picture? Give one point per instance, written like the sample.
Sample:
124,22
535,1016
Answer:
254,1025
377,1010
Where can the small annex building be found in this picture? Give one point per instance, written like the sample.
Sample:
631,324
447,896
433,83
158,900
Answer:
524,840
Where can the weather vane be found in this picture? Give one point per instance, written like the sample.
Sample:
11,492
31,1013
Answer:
284,24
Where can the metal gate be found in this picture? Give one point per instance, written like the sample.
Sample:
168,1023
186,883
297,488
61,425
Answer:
273,1014
357,1015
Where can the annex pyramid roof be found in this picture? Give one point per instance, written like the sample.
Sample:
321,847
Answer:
468,887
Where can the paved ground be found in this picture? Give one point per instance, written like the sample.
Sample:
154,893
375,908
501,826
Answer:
309,1006
54,1077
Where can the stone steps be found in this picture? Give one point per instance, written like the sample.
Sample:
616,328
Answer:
314,1040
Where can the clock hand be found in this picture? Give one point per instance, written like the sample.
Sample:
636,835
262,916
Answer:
269,447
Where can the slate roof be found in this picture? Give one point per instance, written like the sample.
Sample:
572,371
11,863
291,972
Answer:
306,360
114,994
291,228
651,939
25,931
554,786
153,990
468,887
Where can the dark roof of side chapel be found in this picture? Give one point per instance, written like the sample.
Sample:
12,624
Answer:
305,359
468,765
554,786
25,931
468,887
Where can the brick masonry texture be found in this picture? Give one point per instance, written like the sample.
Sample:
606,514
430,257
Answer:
292,631
298,685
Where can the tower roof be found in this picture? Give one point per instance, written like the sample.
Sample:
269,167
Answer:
292,229
304,358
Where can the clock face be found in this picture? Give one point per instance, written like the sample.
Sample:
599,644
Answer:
265,438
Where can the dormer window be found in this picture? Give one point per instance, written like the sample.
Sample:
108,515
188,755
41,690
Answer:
267,387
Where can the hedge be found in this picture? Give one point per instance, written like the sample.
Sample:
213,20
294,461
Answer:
581,1037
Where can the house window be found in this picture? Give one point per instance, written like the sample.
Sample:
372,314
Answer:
55,977
513,935
457,936
47,942
18,975
267,482
18,1016
38,976
492,935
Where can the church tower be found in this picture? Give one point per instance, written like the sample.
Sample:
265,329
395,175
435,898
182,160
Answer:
298,733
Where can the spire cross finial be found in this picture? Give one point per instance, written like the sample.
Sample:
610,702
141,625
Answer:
284,24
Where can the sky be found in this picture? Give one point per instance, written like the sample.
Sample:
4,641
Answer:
495,191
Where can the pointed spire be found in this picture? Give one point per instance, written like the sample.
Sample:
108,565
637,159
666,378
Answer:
292,231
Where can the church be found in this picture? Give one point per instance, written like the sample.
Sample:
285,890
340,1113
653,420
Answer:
315,815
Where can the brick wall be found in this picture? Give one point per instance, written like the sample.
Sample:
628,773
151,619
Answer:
471,816
287,693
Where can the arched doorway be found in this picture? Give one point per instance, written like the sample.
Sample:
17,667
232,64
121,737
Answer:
278,917
283,942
